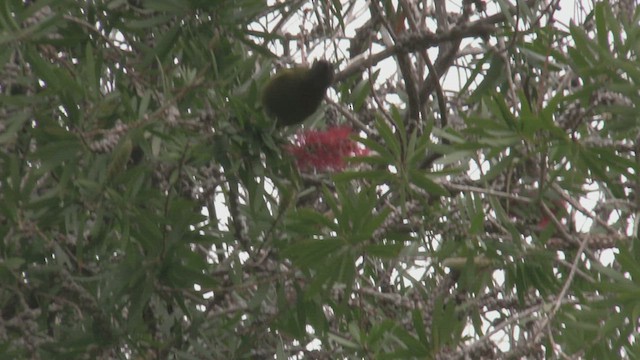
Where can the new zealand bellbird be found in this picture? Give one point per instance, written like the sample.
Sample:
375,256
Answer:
292,95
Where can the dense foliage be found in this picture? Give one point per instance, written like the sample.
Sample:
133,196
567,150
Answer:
149,209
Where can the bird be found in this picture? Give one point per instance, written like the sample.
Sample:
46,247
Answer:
292,95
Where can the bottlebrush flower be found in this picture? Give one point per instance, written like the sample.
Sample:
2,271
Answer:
324,150
558,207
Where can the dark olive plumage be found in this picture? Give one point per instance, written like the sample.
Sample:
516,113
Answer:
292,95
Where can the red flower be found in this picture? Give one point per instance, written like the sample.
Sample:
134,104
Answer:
558,208
324,150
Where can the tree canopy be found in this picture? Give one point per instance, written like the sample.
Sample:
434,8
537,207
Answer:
467,189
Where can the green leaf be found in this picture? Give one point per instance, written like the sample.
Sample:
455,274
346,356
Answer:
491,79
362,91
312,253
13,124
119,160
583,56
54,154
374,176
307,218
455,157
55,78
343,341
150,22
423,181
601,26
385,251
163,47
390,140
609,272
476,213
629,264
91,71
